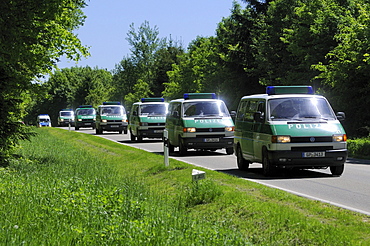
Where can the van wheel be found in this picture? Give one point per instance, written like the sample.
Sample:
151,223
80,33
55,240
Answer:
132,137
182,149
266,165
230,151
243,164
76,128
139,138
171,148
337,170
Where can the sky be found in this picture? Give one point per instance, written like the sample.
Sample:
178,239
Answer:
108,22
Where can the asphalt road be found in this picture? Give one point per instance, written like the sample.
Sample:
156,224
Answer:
350,191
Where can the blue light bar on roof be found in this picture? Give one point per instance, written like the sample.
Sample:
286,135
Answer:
111,103
152,99
199,96
66,109
277,90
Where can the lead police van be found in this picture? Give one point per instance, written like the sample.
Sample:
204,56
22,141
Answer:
289,127
111,116
199,121
147,118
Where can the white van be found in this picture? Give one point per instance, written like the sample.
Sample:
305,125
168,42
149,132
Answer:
43,120
289,127
199,121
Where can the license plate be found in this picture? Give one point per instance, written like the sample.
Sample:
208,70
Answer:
211,140
87,124
114,126
158,131
313,154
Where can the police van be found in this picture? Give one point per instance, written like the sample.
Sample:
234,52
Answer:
85,116
43,120
199,121
289,127
111,116
147,118
66,117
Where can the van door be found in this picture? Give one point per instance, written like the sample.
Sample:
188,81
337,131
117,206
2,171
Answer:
172,121
259,134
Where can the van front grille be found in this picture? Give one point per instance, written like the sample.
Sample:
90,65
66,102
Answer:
311,139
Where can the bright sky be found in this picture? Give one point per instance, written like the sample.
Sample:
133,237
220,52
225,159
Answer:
108,21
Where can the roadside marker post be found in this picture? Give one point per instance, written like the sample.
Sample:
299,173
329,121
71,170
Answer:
165,148
198,175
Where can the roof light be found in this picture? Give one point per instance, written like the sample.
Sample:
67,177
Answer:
152,99
111,103
200,96
276,90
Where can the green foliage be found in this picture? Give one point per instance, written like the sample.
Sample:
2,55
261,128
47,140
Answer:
359,147
199,192
33,35
71,87
111,194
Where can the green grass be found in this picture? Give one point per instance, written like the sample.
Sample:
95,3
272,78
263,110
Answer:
69,188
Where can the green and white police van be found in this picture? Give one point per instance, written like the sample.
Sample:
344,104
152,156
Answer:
289,127
43,120
147,118
85,116
111,116
66,117
199,121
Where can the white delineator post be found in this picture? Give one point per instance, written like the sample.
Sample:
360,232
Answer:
165,148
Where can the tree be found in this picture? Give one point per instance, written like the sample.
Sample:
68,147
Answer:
71,87
135,77
33,35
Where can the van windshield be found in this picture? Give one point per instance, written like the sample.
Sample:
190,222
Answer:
153,109
112,110
88,111
66,113
301,109
205,109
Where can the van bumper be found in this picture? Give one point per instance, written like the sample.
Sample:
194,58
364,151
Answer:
152,133
295,159
204,142
114,127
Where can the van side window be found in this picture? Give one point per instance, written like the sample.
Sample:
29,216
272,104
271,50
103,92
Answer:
242,110
251,109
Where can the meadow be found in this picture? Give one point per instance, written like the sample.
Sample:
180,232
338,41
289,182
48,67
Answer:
70,188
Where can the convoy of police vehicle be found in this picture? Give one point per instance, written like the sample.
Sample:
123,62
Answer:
288,127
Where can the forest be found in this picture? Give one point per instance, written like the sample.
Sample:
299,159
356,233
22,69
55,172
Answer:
322,43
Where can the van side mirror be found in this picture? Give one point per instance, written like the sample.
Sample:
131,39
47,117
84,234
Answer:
134,113
341,116
233,114
258,116
175,114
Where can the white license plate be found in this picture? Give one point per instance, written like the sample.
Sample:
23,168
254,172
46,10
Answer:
87,124
114,126
313,154
211,140
158,131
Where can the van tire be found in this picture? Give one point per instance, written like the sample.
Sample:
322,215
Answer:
268,169
76,128
230,151
182,149
132,137
243,164
337,170
171,148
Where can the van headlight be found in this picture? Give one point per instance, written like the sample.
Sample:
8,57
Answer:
189,129
79,119
339,138
104,121
280,139
229,129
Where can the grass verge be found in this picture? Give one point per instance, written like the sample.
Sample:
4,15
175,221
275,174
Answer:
69,188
